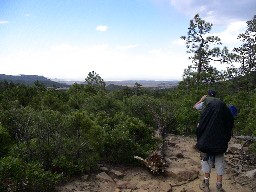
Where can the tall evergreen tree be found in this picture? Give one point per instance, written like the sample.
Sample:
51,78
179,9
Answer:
95,82
203,49
246,53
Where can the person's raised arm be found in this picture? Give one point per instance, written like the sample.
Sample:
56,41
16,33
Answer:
199,102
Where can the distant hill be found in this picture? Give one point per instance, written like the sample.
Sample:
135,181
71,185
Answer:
130,83
146,83
113,85
30,80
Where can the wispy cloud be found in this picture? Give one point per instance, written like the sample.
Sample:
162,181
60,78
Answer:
74,62
3,22
102,28
230,34
27,15
218,11
128,46
178,42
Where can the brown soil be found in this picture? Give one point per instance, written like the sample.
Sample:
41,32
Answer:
183,175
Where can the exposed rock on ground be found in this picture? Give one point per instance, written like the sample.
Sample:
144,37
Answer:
183,173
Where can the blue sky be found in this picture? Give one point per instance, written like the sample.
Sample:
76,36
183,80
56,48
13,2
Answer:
119,39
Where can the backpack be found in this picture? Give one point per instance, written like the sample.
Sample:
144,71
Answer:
233,110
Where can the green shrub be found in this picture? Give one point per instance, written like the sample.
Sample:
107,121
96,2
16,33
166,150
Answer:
69,144
252,149
40,180
5,140
16,175
79,145
185,116
128,137
152,111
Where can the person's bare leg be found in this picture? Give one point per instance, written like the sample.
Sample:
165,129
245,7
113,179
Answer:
219,178
219,184
205,185
206,168
207,175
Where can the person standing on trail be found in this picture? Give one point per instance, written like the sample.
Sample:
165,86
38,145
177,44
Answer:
213,133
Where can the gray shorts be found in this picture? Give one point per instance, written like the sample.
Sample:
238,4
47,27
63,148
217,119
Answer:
219,165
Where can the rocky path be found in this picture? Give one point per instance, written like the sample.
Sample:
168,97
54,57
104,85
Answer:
183,175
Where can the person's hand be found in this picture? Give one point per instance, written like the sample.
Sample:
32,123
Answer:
203,98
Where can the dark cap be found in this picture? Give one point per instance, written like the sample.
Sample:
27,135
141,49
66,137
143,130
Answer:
211,93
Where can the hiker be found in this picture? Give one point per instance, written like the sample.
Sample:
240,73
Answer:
200,105
213,134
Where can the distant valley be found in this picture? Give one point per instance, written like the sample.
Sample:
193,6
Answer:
130,83
58,83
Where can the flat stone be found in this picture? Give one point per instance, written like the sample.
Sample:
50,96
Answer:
131,186
251,174
117,190
233,148
117,174
121,184
105,169
183,175
84,177
104,176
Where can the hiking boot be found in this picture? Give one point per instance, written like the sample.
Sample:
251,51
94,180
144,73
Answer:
219,188
205,185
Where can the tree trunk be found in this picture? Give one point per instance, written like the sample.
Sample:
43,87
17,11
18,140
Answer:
155,162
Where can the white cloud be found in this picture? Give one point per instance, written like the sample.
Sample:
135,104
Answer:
217,11
229,35
27,15
128,46
72,62
63,48
102,28
3,22
178,42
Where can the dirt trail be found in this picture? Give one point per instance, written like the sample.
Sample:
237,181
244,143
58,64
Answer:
183,174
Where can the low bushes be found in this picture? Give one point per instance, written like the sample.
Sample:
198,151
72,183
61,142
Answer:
17,175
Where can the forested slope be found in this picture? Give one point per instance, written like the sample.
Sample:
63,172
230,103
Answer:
47,135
